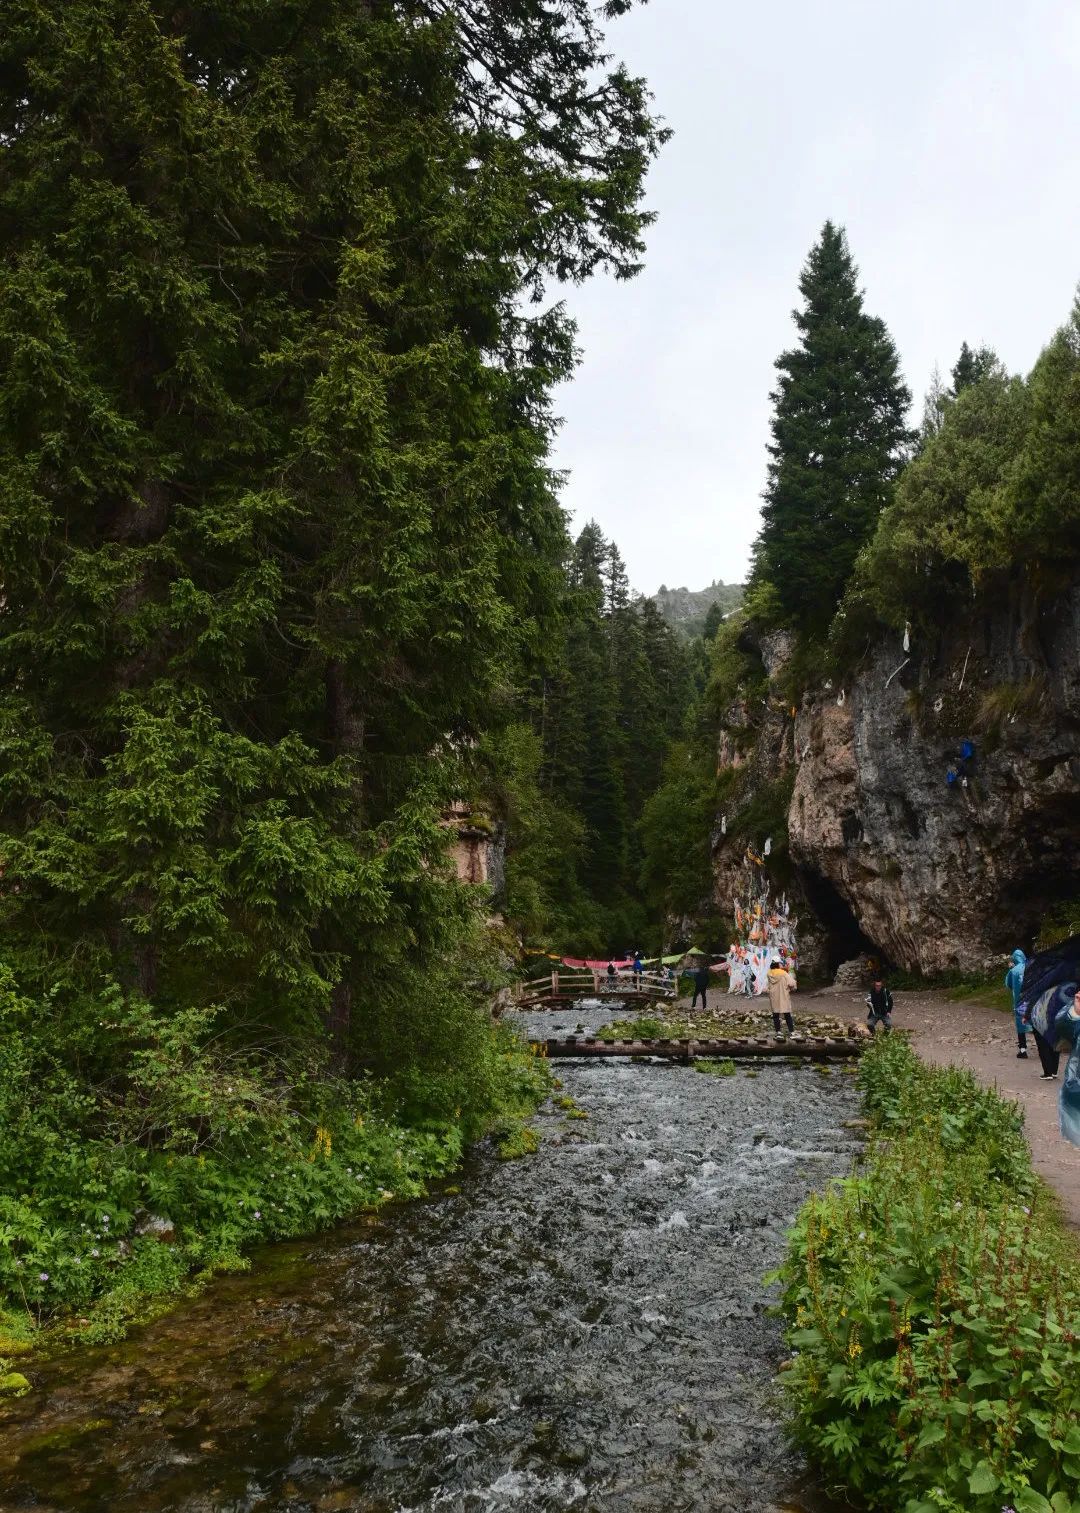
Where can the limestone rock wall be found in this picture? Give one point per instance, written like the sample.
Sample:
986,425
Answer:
941,876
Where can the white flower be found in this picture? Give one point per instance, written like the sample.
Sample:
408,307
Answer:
104,1218
44,1275
95,1253
256,1214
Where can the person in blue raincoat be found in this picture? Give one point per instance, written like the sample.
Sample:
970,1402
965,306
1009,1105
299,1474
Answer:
1014,981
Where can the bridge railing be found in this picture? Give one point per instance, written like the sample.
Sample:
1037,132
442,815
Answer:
595,983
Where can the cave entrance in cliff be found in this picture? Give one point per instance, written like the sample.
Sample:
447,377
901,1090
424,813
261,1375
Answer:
844,938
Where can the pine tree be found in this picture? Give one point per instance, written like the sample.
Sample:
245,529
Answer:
276,519
934,406
971,367
714,618
839,439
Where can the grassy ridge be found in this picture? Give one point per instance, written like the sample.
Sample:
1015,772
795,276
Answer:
934,1307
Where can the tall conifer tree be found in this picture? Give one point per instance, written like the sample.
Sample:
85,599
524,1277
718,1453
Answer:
276,521
839,439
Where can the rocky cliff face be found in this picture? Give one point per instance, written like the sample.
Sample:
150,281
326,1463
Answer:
478,850
892,856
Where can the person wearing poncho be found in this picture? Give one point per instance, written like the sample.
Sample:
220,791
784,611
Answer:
1014,981
1050,1003
1068,1031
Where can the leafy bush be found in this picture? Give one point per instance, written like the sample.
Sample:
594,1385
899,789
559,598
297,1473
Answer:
934,1300
229,1146
1059,922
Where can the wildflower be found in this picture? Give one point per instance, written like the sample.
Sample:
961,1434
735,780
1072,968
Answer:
95,1254
77,1260
256,1214
43,1275
1025,1210
862,1234
105,1219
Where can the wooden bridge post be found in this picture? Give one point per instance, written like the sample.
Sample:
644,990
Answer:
554,984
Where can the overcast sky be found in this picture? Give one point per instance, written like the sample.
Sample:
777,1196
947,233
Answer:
943,134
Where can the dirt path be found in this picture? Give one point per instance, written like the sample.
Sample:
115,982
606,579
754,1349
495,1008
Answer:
981,1038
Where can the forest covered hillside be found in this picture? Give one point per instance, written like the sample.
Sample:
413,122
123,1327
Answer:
686,609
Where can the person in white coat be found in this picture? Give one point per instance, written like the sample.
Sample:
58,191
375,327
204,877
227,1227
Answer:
781,986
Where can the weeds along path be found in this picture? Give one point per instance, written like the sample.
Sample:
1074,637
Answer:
973,1035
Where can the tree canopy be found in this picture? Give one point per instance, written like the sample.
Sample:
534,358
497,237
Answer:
839,439
276,517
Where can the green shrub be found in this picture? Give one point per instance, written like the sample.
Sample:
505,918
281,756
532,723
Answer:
231,1146
1059,922
514,1138
934,1303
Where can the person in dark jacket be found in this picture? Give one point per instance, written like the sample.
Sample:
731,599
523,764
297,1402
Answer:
701,984
1050,981
879,1007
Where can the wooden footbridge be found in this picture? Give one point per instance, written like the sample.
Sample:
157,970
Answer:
556,989
735,1048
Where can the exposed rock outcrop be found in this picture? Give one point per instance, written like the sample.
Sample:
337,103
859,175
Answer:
889,854
941,874
478,849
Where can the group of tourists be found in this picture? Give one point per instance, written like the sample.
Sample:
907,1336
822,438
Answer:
1046,1002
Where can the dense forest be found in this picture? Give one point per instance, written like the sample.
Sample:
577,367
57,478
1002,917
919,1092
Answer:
282,549
574,773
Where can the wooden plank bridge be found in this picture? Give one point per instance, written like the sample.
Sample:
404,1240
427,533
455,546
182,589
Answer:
557,989
812,1047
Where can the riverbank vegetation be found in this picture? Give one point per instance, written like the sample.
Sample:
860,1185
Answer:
281,548
933,1301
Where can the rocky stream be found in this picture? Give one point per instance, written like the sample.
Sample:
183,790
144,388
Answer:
587,1329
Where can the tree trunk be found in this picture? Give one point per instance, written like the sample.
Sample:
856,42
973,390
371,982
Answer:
346,727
